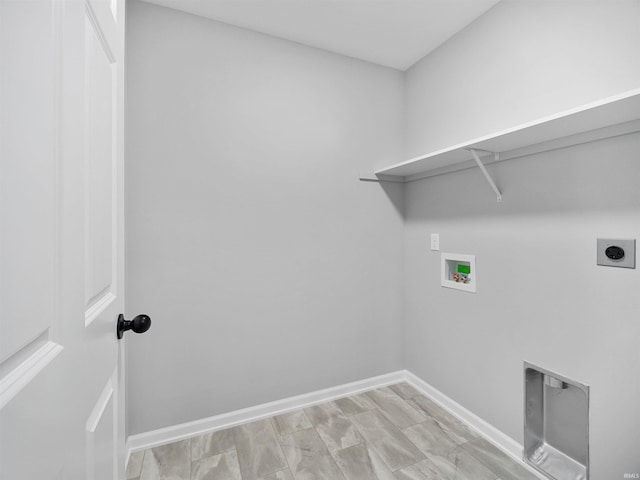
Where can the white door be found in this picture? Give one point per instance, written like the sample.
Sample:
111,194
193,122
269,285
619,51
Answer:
61,234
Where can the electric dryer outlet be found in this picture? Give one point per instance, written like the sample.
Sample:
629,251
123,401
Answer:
616,253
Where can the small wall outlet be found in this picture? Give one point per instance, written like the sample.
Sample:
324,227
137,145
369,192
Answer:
435,241
616,253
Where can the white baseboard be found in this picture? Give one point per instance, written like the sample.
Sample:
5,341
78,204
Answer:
491,433
238,417
504,442
227,420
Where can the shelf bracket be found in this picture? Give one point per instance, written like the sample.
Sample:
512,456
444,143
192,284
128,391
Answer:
496,155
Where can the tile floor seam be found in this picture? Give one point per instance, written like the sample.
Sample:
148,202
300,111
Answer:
403,401
329,451
381,455
372,446
345,418
344,474
286,460
281,451
235,448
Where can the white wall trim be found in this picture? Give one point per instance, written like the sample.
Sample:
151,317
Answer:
491,433
498,438
226,420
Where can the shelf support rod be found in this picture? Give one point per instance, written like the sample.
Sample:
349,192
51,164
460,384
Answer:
486,173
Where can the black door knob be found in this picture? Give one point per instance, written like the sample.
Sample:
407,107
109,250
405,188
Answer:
139,324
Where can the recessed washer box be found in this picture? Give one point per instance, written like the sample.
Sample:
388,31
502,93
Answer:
458,271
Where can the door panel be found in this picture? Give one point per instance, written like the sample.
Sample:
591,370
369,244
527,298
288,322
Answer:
32,368
61,234
28,181
100,426
100,150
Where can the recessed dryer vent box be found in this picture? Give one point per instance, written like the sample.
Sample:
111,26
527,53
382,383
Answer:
458,271
556,424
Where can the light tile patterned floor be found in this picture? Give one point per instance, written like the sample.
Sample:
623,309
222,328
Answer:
391,433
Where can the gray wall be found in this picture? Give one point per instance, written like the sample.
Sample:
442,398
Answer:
520,61
268,269
541,297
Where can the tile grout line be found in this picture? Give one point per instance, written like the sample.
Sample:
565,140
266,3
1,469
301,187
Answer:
190,459
278,439
398,428
328,449
329,453
427,457
144,455
332,453
459,445
371,444
312,427
364,443
234,449
190,462
286,460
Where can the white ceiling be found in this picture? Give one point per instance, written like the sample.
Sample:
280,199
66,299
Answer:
393,33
